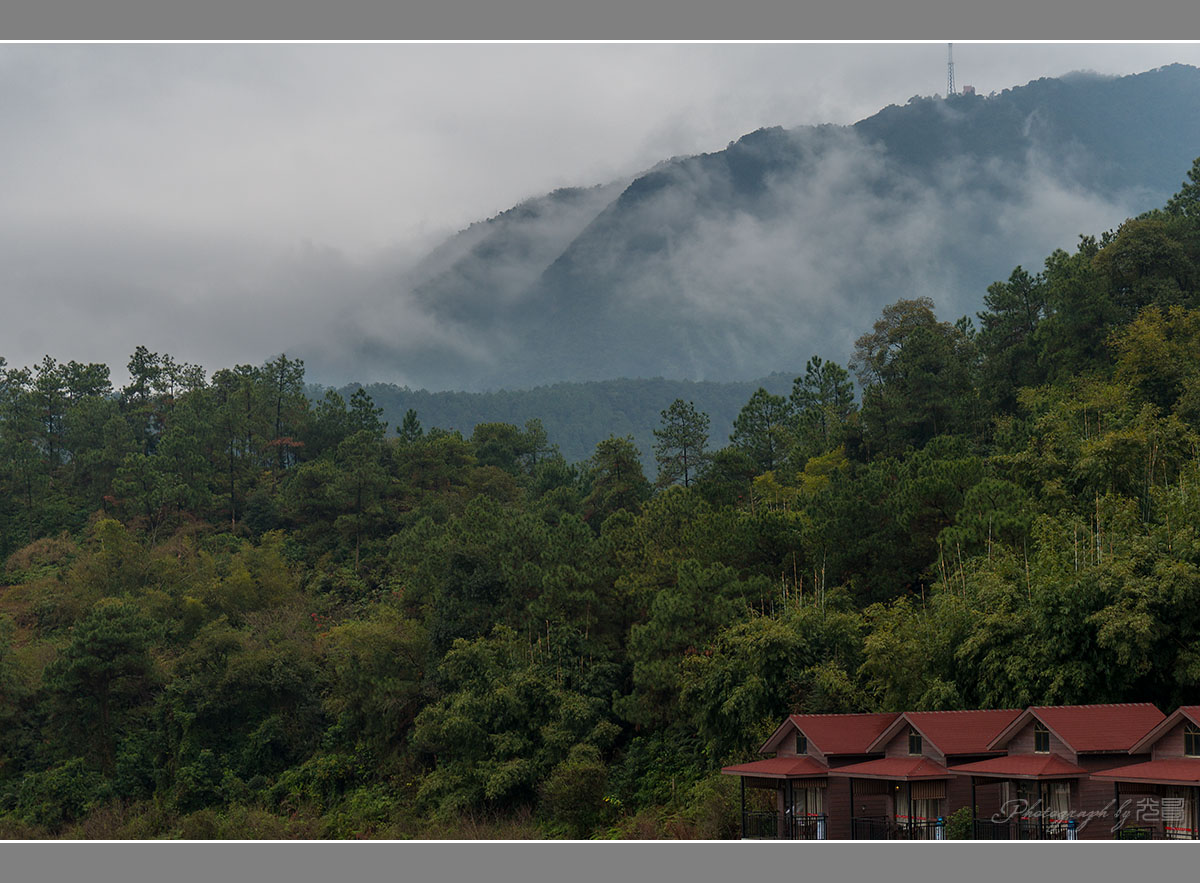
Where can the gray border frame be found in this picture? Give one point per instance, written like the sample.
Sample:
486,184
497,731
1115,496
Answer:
858,20
848,20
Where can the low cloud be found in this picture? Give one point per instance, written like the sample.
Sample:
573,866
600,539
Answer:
163,195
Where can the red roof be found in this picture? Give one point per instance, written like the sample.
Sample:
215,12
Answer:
779,768
904,768
1170,771
1084,728
837,733
1184,712
953,732
1022,766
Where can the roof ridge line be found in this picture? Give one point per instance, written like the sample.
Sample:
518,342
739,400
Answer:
965,710
1099,705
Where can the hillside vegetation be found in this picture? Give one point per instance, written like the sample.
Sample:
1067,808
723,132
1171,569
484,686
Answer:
227,611
576,416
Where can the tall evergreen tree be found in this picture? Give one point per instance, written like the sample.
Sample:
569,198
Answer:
680,443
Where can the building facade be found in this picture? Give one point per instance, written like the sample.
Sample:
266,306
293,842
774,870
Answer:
1046,772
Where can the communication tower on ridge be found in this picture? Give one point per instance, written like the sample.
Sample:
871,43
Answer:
949,69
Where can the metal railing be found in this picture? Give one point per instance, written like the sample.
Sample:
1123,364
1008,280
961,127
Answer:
760,825
1138,832
1153,832
870,828
921,829
1024,829
888,828
767,826
809,826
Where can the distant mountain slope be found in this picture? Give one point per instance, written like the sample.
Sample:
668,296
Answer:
578,415
746,261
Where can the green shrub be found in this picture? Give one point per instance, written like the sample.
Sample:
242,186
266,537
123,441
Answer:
574,792
713,808
61,794
361,814
200,825
958,824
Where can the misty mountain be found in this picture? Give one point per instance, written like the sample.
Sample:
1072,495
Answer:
746,261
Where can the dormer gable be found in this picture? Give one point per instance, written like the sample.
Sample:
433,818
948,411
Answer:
1035,737
943,733
826,735
1087,729
1176,736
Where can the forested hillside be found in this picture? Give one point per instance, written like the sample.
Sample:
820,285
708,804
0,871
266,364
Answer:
576,416
226,611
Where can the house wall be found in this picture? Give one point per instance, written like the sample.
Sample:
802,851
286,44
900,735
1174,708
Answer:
958,794
987,796
1022,743
897,746
837,808
837,805
1141,804
786,746
1170,744
1089,795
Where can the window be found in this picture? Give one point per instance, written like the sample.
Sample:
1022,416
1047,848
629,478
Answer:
1041,739
1191,740
1056,800
921,813
801,743
808,802
914,741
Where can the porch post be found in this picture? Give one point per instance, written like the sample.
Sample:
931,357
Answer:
908,787
1116,831
789,809
1041,802
973,819
1196,813
853,827
742,779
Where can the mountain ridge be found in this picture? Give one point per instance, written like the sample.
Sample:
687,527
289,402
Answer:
747,260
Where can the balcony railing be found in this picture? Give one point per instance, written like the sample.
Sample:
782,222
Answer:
1024,829
888,828
760,826
809,826
1138,832
767,826
1153,832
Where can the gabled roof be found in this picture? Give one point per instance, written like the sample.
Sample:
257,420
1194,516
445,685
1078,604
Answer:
1022,766
951,732
1184,712
906,769
834,733
1169,771
1089,728
779,768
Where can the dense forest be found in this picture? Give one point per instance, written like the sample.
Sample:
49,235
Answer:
227,610
576,416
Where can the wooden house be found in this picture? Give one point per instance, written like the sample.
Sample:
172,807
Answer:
1159,797
799,804
1043,786
909,792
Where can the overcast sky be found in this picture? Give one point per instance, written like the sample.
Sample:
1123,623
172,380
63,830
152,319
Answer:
214,201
